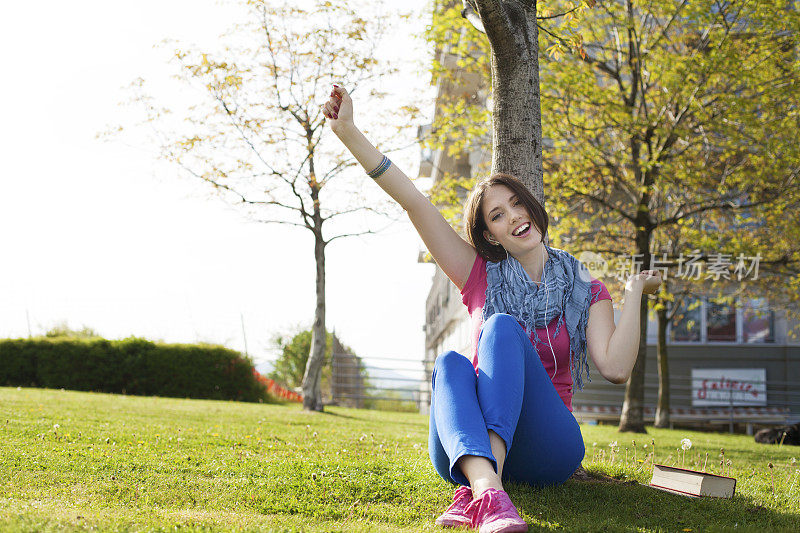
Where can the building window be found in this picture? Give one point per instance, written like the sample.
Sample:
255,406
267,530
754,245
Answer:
758,321
685,324
701,320
721,323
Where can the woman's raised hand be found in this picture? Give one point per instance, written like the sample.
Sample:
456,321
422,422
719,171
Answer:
339,108
648,280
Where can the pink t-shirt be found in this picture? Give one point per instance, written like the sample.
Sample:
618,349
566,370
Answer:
474,297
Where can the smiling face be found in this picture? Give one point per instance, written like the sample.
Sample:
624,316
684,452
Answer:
508,220
496,207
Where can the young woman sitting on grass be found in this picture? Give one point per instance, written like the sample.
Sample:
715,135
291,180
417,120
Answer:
506,414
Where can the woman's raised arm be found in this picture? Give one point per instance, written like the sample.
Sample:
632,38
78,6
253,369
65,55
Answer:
454,255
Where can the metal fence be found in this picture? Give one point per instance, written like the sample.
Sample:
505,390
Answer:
778,402
396,383
379,382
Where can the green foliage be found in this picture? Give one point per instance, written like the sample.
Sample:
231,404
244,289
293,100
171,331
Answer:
448,194
461,122
672,127
62,329
463,54
130,366
291,365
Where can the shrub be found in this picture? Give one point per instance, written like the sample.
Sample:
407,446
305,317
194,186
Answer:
130,366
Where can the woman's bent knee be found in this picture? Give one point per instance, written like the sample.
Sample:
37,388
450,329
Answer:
501,320
451,361
503,325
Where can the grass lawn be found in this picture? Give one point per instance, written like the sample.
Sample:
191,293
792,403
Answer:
72,461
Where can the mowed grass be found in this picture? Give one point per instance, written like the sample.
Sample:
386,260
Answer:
72,461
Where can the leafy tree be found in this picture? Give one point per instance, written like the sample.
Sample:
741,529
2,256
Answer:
671,122
499,40
654,131
62,329
256,137
290,367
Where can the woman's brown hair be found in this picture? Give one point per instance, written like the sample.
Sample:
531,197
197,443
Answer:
474,225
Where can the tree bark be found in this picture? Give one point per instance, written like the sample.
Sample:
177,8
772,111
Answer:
312,396
662,411
632,417
516,113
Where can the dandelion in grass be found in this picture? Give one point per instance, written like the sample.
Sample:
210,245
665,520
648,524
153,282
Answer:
685,445
613,446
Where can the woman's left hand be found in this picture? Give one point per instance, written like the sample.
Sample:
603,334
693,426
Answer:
648,280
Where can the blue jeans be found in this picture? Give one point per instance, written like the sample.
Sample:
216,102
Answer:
513,396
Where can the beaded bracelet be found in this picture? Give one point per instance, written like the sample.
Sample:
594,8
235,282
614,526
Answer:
380,169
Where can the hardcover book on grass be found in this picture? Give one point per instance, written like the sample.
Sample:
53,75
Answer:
692,482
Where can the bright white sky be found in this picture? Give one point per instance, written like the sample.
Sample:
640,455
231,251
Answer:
101,234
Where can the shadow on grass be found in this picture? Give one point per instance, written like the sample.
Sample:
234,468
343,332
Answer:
342,415
630,506
371,417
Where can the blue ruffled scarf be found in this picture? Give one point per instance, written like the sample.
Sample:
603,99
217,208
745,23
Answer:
510,290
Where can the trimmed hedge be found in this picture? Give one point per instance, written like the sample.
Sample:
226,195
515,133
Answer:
130,366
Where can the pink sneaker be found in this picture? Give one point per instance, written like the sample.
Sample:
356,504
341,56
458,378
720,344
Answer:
494,513
456,515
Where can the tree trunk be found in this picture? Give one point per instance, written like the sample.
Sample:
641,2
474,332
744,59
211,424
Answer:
662,411
516,113
632,417
312,396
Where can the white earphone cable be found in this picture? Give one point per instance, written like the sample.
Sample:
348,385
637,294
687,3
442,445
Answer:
549,341
546,303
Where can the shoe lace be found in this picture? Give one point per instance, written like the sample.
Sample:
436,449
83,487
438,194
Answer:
480,507
459,496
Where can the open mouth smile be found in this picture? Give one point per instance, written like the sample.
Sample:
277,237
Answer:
522,231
